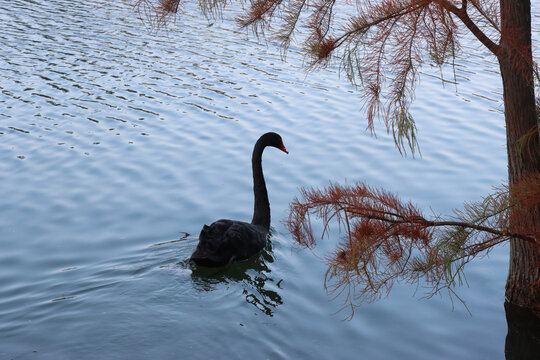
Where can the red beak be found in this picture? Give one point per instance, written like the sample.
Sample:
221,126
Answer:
282,148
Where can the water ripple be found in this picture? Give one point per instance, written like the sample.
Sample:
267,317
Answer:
113,140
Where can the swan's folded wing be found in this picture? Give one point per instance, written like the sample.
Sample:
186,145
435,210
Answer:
226,241
242,240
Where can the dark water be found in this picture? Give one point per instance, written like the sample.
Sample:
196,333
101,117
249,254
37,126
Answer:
117,144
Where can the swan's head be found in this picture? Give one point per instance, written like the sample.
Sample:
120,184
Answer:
273,139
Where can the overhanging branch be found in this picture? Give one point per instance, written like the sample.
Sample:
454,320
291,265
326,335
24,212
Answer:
461,13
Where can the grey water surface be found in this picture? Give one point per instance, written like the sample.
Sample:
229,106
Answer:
117,143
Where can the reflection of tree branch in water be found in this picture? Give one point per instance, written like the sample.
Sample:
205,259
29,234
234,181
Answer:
253,273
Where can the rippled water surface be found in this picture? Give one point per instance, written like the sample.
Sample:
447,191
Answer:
118,143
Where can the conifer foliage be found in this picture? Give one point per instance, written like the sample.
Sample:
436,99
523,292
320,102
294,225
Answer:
387,240
381,44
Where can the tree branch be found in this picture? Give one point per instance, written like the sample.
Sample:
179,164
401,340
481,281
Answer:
461,13
398,12
431,223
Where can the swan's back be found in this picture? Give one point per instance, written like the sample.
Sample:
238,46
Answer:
226,241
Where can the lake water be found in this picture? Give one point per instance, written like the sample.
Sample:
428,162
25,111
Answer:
118,143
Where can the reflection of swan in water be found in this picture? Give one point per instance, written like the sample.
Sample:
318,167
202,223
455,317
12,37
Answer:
255,275
259,288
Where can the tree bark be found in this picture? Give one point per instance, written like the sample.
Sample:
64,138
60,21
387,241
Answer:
515,60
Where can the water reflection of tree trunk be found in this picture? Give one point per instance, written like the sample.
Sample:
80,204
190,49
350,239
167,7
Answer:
523,338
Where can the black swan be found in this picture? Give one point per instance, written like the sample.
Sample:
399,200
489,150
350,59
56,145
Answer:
225,240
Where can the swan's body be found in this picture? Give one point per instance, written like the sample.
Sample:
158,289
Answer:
225,240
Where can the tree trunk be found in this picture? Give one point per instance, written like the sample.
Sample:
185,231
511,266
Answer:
515,59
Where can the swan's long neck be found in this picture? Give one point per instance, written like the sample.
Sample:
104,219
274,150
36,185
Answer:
261,211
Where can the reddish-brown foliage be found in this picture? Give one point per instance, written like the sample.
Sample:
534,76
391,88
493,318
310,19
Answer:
156,11
381,45
388,240
525,197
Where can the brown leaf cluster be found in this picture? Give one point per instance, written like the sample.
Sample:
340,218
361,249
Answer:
380,44
525,201
387,240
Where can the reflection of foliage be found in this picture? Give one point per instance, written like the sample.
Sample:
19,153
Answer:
254,273
389,241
